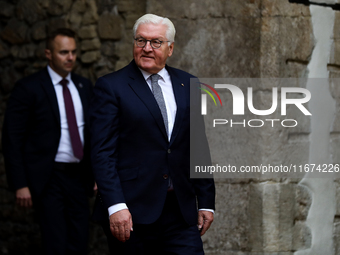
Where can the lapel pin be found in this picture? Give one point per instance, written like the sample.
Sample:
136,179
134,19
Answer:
80,85
182,84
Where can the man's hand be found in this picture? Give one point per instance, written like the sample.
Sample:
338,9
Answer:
205,218
121,225
95,189
23,197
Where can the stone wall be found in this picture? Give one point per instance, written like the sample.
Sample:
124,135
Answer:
215,38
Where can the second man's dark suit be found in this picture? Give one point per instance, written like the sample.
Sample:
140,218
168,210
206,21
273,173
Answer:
31,134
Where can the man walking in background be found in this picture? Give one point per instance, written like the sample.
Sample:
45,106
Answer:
140,142
46,147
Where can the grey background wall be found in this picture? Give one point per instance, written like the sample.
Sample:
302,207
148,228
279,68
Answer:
215,38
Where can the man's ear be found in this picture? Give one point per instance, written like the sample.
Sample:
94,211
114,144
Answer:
171,49
48,54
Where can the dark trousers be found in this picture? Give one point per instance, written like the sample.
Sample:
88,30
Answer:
170,234
63,212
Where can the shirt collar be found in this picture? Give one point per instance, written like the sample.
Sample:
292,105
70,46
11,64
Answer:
56,78
147,75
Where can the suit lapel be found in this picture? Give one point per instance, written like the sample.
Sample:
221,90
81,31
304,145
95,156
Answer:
141,88
82,95
47,85
179,92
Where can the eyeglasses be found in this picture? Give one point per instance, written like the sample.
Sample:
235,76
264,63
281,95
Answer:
155,43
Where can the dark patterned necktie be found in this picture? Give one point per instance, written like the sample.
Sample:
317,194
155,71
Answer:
77,146
157,92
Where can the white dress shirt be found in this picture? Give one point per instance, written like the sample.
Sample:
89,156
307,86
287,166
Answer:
65,151
171,108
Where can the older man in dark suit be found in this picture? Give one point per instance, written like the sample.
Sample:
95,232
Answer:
141,148
46,150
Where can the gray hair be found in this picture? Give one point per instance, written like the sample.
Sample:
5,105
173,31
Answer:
152,18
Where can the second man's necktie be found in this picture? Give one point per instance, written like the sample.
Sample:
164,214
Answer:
77,145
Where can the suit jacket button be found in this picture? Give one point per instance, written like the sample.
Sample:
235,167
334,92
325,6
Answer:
169,151
165,176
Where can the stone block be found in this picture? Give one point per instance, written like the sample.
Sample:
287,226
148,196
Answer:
55,23
75,18
27,51
203,9
79,6
335,142
31,11
211,40
133,6
40,51
58,7
15,32
108,49
285,40
303,202
93,44
231,227
91,15
87,32
130,20
38,31
336,238
335,53
336,29
283,8
109,26
6,9
90,57
302,238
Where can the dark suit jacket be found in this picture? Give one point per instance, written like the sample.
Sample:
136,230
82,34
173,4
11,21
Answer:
31,131
131,154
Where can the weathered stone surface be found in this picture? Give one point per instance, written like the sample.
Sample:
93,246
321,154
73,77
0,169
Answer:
90,57
303,202
203,9
336,29
212,41
75,18
56,23
4,50
132,6
8,77
231,226
15,32
58,7
6,9
30,10
40,51
335,53
336,238
285,40
302,238
109,26
130,20
87,32
38,31
93,44
108,49
27,51
79,6
283,8
91,15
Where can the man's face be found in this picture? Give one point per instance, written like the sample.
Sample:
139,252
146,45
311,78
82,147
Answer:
147,58
62,56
